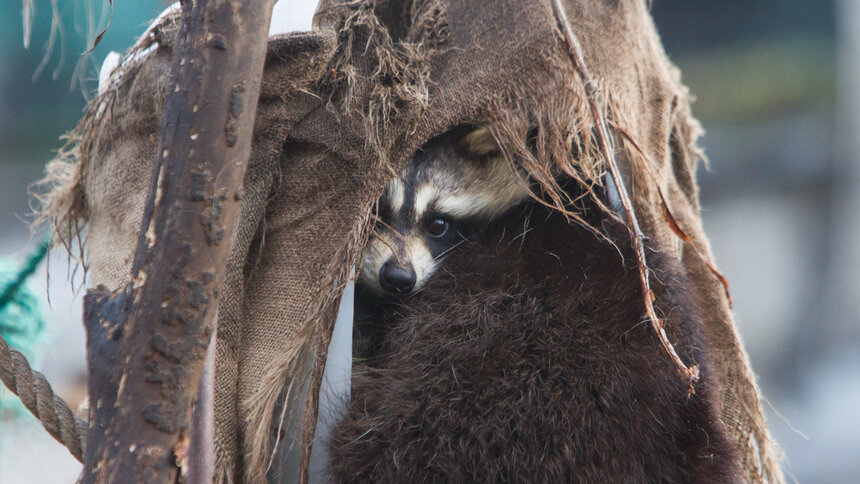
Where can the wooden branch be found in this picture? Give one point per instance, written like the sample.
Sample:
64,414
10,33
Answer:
147,341
690,374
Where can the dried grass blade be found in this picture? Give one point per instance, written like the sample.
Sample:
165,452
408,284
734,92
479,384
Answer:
101,34
673,222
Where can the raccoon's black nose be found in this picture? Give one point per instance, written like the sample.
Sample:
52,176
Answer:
397,279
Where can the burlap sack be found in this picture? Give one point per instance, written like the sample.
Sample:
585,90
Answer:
341,109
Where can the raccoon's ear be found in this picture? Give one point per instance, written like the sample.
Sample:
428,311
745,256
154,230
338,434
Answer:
480,142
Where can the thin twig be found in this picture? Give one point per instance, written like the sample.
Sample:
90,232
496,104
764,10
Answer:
690,374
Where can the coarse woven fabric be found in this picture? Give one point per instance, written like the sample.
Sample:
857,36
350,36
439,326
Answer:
341,109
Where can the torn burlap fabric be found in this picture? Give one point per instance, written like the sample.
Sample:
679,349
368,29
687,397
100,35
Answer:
341,109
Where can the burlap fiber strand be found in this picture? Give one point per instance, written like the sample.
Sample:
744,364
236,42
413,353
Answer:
341,109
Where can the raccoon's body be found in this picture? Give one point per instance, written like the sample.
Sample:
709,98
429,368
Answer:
525,359
528,361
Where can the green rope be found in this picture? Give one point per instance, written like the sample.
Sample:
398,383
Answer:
26,271
22,320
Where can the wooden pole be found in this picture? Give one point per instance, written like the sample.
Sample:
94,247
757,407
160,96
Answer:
147,342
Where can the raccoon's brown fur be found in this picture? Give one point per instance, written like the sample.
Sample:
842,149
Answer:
526,359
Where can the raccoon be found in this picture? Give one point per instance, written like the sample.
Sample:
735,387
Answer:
522,362
527,362
452,185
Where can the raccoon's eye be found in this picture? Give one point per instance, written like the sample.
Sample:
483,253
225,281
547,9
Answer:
437,227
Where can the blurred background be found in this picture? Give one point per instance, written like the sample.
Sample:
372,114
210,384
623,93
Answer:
778,90
777,85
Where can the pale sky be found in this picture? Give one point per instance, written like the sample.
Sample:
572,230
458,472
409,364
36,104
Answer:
292,15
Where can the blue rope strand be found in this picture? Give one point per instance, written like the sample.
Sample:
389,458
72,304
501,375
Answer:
22,320
33,261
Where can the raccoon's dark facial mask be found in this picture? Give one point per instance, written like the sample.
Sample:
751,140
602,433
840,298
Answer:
453,185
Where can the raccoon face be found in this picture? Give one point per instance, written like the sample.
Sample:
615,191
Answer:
453,185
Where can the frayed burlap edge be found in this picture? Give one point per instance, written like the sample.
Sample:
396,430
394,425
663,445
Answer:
393,76
60,194
289,379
